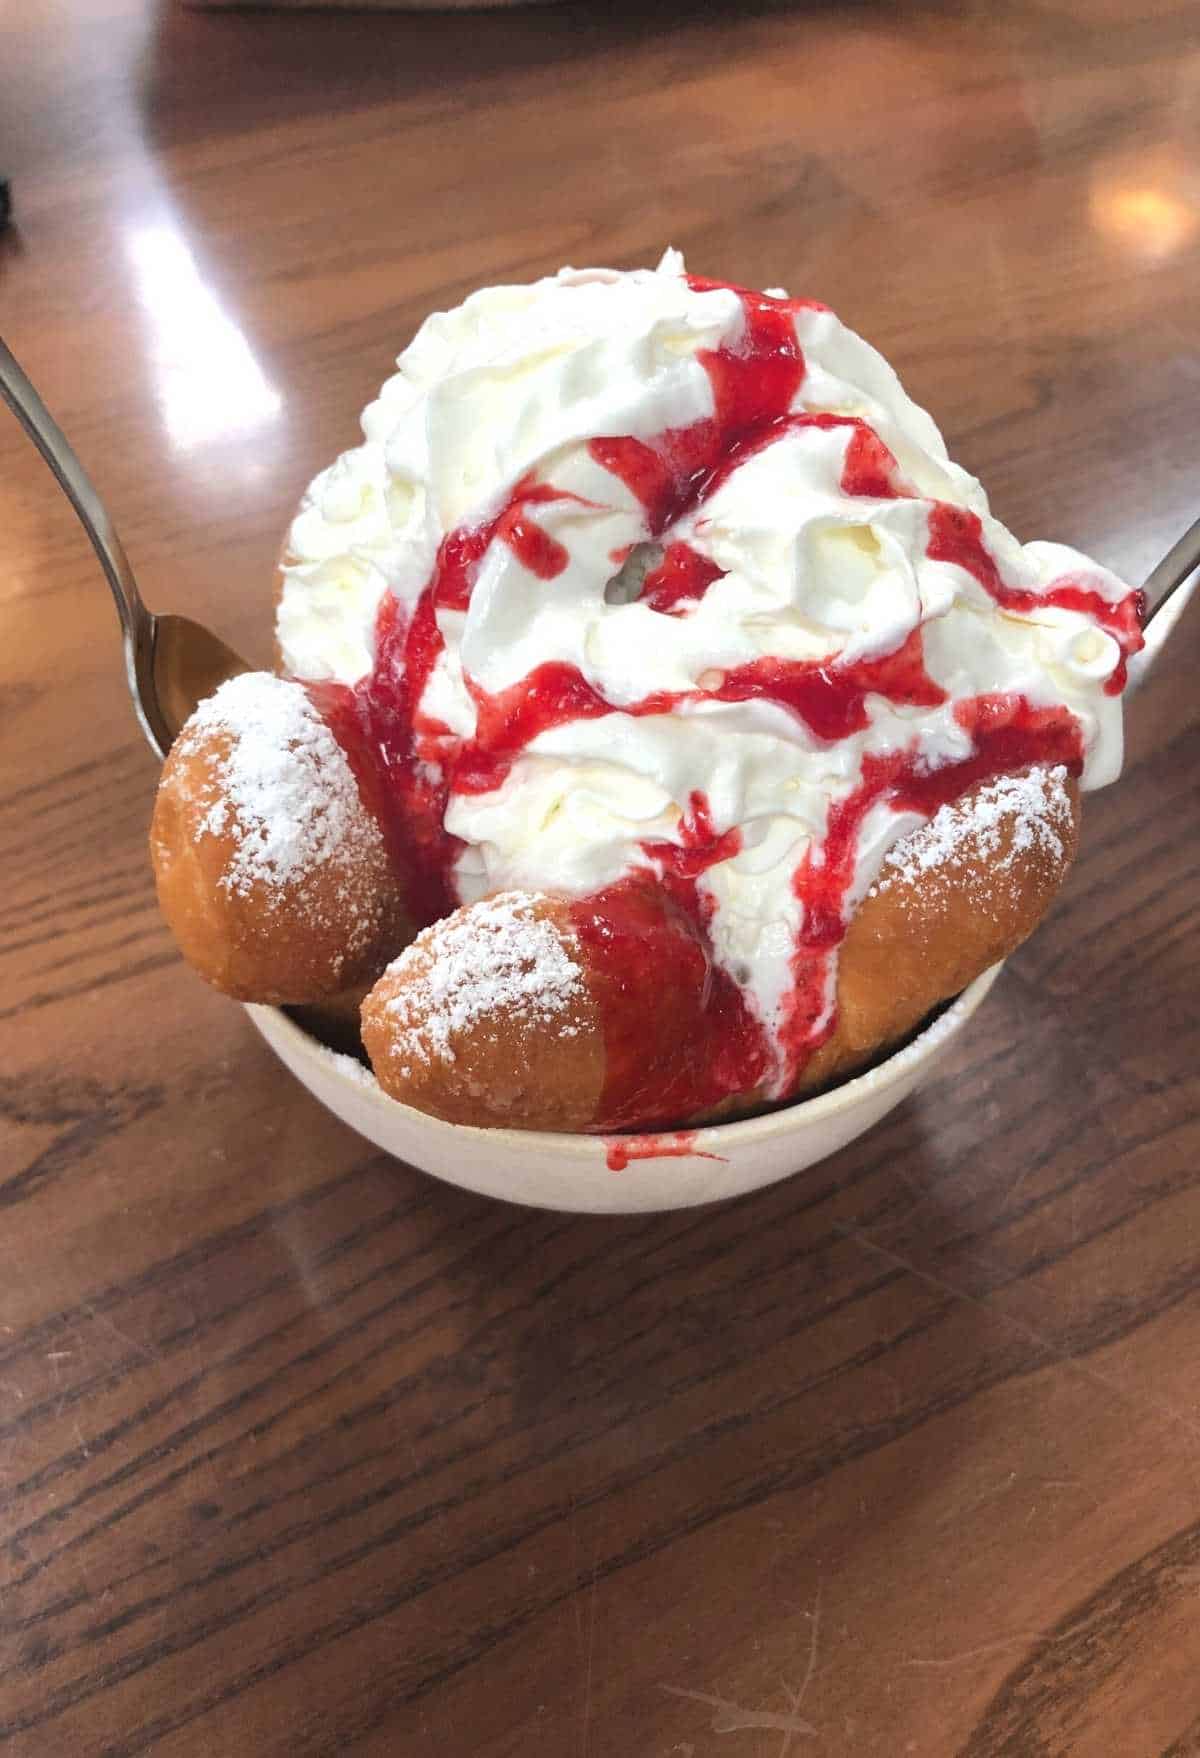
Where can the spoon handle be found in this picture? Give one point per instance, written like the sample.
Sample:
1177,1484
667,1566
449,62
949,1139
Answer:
1180,561
55,448
137,624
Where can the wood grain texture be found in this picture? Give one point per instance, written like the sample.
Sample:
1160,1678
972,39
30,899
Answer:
302,1453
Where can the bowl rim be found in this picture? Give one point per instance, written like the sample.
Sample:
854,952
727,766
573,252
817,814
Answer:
275,1025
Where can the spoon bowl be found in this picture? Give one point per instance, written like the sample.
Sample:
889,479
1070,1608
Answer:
188,662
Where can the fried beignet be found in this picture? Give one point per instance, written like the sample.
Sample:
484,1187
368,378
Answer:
487,1018
503,1013
511,1011
270,870
952,899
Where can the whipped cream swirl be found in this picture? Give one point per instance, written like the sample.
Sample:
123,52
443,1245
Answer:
824,542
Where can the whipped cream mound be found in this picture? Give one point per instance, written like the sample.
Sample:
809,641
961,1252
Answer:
283,791
500,960
835,536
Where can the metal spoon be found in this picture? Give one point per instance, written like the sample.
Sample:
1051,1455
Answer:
1179,563
171,662
1176,567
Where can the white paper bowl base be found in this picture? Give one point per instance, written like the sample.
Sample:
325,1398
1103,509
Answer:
585,1172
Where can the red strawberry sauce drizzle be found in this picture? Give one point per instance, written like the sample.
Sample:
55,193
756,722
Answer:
409,763
679,1145
646,945
1009,735
681,578
956,535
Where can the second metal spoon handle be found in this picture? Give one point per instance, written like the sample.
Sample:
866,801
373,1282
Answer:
55,448
1181,560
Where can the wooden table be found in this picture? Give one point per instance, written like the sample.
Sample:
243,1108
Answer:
304,1453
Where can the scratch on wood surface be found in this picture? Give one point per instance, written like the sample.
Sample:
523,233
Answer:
1055,1351
969,1505
102,1318
1077,1484
731,1718
814,1641
797,1697
983,1652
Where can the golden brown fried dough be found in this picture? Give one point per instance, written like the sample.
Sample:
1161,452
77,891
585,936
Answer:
514,1011
270,871
500,1015
488,1018
955,897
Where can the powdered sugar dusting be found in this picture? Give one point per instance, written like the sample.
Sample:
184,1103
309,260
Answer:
348,1067
998,821
283,790
498,959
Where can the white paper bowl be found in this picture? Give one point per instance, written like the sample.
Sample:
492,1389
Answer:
665,1171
